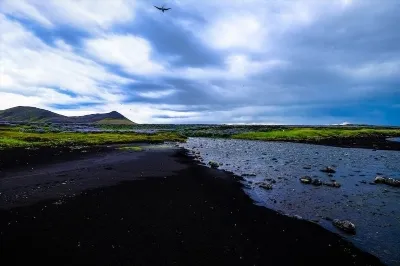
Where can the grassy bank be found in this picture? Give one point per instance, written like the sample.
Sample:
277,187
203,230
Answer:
131,148
11,138
315,134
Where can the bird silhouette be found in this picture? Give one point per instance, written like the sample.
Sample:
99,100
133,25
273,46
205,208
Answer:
162,8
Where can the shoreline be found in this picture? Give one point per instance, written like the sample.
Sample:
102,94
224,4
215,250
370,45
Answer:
160,202
359,143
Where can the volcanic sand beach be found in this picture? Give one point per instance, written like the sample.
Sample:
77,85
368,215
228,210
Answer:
155,207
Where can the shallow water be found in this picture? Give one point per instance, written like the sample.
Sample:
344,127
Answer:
394,139
374,209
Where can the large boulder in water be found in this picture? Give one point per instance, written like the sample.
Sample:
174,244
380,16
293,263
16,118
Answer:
345,225
387,180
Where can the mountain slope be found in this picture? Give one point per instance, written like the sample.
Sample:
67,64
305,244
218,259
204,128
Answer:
33,114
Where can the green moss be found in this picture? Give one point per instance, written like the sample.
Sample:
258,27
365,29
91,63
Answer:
10,143
16,138
131,148
317,134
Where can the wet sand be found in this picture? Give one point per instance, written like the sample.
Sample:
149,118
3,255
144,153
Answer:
156,207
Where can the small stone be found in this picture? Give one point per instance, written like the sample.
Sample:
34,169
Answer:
333,184
316,182
266,186
306,180
213,164
328,170
345,225
387,180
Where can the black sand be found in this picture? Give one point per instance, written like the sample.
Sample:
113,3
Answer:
150,208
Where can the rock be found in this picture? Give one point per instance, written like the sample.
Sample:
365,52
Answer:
108,168
328,170
387,180
345,225
213,164
333,184
316,182
305,180
266,186
297,217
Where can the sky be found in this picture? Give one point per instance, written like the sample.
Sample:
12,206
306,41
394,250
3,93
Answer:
227,61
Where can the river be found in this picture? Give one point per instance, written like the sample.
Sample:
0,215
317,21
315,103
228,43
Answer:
374,209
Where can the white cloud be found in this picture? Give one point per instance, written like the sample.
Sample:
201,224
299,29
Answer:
254,25
9,100
22,8
371,70
237,66
132,53
41,97
136,112
63,45
157,94
230,32
241,66
87,14
27,64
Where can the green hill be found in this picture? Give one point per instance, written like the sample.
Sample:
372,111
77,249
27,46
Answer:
37,115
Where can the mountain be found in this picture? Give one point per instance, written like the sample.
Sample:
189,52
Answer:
37,115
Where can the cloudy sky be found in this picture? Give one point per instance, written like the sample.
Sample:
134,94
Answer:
226,61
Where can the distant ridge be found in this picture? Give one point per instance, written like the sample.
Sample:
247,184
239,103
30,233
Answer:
37,115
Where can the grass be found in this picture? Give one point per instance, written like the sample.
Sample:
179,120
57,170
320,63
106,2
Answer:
111,121
131,148
313,134
11,137
14,138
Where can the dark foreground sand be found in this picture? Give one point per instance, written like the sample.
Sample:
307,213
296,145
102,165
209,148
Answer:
149,208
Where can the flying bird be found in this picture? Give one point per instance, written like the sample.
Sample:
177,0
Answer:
162,8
